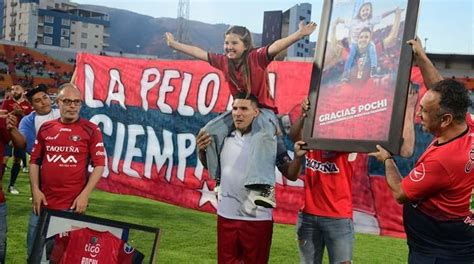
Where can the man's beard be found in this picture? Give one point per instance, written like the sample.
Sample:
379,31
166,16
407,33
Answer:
17,97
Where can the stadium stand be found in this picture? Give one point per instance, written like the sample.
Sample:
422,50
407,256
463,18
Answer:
29,67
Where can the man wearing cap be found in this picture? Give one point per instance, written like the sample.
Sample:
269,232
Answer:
43,111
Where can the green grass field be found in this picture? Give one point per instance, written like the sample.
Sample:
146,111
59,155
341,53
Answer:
187,236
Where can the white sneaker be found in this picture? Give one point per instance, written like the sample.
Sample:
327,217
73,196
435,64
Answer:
13,190
25,169
266,197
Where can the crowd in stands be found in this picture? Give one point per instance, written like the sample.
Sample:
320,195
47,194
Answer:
28,68
468,82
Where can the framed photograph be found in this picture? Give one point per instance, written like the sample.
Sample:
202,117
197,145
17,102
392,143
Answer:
64,234
361,75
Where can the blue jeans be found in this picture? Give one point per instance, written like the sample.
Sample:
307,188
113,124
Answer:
316,232
32,229
263,148
352,54
3,232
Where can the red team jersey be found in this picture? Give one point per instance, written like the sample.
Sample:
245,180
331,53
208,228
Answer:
87,246
4,139
438,221
64,152
328,189
258,61
443,177
11,104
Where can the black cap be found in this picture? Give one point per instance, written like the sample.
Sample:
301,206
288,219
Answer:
37,89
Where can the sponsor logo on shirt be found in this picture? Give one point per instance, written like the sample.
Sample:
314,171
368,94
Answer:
418,173
62,149
65,130
127,248
100,144
52,138
100,153
92,249
75,138
60,158
324,167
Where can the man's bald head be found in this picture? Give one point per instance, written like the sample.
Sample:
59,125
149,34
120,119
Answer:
69,102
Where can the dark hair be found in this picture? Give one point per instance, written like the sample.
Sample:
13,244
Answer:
366,29
243,33
40,88
246,96
246,37
454,98
360,8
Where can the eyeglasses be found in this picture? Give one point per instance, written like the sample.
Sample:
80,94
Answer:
68,102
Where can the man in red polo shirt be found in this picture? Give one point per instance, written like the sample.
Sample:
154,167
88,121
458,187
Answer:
436,194
63,150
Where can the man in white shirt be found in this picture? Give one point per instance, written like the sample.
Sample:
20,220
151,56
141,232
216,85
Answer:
29,126
244,230
43,112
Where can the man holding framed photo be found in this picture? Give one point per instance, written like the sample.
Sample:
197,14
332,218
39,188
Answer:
361,75
437,192
325,221
63,150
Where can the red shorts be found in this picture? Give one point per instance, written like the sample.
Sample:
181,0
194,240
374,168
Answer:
241,241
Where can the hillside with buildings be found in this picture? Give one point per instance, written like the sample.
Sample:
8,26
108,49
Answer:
129,29
60,28
96,29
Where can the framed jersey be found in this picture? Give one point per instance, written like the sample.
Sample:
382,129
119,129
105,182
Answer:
360,75
66,237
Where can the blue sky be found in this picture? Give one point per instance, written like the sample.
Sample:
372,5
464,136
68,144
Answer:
447,25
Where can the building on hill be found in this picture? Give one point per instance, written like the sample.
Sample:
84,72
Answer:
55,23
279,24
